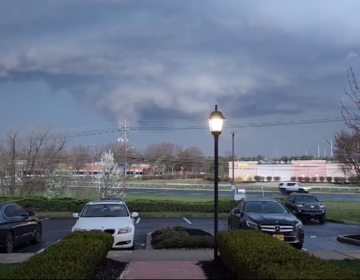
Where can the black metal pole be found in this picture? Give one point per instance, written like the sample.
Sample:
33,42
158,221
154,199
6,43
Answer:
233,157
216,193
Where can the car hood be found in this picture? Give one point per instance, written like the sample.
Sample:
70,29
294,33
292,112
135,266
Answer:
103,223
273,218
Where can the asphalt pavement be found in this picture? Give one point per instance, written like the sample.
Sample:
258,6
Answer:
224,193
318,237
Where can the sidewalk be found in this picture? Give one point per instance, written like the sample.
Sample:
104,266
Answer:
167,264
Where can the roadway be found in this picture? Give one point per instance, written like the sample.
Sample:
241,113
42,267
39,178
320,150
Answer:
224,193
317,237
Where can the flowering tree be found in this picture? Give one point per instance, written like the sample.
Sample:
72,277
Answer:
58,184
110,175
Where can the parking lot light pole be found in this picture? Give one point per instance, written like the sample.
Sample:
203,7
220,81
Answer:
216,121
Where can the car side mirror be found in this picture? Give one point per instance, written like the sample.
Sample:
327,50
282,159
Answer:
75,215
236,211
134,215
31,213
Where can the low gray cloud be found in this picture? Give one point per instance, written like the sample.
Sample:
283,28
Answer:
163,59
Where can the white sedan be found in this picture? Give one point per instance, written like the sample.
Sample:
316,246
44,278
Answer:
111,216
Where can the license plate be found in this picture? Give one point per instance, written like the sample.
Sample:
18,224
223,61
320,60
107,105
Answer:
279,237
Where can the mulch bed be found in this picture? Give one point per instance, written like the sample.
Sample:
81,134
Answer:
109,269
215,270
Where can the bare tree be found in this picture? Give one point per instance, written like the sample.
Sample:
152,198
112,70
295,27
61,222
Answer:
78,156
351,113
347,151
347,142
33,157
9,155
192,160
162,156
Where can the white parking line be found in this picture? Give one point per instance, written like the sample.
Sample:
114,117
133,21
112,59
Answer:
186,220
137,220
44,219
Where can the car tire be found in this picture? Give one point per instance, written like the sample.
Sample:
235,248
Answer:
9,243
322,219
298,246
38,235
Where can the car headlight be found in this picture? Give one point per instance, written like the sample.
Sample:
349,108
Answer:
125,230
299,205
78,229
252,225
322,206
298,226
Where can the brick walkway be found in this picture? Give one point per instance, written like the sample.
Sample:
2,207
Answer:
163,270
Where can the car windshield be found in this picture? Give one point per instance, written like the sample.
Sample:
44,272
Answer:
265,207
105,210
305,198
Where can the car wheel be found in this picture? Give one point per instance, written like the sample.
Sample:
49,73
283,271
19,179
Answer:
38,235
298,246
9,243
322,219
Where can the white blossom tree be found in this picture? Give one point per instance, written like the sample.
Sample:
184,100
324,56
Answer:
58,184
110,175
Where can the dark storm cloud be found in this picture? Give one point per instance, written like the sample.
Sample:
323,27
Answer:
163,59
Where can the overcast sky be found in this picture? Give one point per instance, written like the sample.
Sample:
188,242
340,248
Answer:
85,65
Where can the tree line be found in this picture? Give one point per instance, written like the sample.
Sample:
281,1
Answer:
41,152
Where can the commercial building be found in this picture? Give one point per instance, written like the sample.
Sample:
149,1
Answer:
245,170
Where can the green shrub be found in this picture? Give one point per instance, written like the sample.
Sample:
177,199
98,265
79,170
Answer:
251,254
66,204
181,238
74,257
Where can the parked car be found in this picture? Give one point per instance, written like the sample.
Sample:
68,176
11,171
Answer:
306,206
108,215
270,216
290,187
17,227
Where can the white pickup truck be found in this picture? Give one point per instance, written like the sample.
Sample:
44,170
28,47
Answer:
289,187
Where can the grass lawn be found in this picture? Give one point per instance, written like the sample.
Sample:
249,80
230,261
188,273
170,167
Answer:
353,265
343,210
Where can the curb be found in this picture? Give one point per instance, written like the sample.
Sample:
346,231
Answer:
342,222
148,241
347,239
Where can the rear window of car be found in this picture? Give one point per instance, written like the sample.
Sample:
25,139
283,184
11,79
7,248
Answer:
280,184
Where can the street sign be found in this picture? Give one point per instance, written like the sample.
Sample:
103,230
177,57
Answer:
122,164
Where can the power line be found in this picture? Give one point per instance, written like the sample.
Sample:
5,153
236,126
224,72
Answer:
169,128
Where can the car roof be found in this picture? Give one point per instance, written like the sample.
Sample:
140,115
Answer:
97,202
262,200
302,194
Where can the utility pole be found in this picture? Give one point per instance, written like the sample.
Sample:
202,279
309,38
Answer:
92,162
233,156
318,151
124,127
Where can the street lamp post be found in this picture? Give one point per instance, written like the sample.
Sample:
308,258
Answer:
233,156
216,121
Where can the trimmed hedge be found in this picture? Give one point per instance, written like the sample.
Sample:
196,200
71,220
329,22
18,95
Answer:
74,257
251,254
181,238
44,204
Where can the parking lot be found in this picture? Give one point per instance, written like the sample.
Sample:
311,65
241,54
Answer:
318,237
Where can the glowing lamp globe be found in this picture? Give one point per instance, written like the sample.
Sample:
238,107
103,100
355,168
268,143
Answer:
216,122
